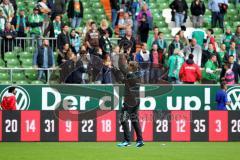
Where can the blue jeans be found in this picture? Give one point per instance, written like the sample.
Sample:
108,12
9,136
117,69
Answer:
179,18
114,17
145,75
36,38
76,21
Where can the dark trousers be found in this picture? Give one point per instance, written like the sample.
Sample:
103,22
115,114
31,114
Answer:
217,17
132,114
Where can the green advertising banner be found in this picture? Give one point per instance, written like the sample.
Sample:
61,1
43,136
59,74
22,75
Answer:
110,97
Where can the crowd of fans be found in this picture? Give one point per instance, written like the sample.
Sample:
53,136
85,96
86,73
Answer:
88,56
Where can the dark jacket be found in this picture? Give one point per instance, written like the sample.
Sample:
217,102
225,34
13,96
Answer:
114,4
236,71
70,10
125,44
206,56
131,81
58,7
199,9
62,39
101,32
103,43
143,31
50,29
8,42
21,29
179,5
171,48
38,57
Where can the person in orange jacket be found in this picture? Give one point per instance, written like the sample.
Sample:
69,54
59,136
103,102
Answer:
9,100
190,72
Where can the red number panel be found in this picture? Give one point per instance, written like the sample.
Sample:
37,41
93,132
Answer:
180,125
146,123
106,126
218,125
68,125
30,126
0,125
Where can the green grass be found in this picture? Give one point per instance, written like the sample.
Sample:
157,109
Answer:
109,151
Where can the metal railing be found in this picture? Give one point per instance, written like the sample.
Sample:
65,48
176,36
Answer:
13,70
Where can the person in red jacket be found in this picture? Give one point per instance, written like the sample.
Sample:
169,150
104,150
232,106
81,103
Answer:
190,72
9,100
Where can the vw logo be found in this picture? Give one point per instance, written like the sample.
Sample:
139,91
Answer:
233,95
22,97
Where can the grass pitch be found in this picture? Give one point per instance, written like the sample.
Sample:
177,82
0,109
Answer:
109,151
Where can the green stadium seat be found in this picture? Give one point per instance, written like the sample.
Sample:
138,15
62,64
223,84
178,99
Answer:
25,55
217,31
18,77
5,82
12,63
27,63
2,63
21,82
9,55
37,82
31,74
30,49
4,76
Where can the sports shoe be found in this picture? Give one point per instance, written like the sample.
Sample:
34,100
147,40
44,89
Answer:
124,144
139,144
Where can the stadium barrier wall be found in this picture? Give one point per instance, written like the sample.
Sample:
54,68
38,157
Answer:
104,126
110,97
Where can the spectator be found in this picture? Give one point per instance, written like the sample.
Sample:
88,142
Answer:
229,75
233,52
195,50
54,27
143,58
156,57
65,54
145,12
3,21
87,28
144,29
14,5
20,24
153,37
128,41
190,72
43,7
57,7
105,43
210,75
121,24
210,39
176,44
175,63
199,35
235,68
115,8
161,43
8,10
221,97
8,35
75,12
63,38
92,38
43,58
75,41
208,53
236,38
179,7
9,100
216,6
106,72
115,57
198,11
35,23
227,37
105,27
182,38
222,53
